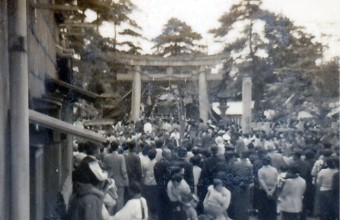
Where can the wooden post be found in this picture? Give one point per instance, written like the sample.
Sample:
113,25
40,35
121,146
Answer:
4,103
136,94
246,104
203,95
19,132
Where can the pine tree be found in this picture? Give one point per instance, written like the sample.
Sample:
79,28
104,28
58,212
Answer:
177,38
269,48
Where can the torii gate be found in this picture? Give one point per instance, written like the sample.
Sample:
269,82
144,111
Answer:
201,61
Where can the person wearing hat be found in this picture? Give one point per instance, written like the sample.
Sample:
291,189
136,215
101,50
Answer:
90,183
89,170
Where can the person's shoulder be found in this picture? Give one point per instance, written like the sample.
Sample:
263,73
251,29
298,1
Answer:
109,157
302,180
322,172
225,190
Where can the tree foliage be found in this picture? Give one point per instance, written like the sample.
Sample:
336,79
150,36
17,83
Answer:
177,38
271,49
90,46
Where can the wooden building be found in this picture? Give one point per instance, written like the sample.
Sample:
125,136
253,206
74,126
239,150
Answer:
36,113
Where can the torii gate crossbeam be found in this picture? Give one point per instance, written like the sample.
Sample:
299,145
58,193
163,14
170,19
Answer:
136,76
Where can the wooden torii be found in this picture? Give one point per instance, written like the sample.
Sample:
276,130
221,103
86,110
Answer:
204,75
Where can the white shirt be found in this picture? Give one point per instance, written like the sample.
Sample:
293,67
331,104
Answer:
175,193
132,210
148,172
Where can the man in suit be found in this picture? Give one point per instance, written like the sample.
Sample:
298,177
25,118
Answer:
292,194
162,177
133,164
114,163
89,187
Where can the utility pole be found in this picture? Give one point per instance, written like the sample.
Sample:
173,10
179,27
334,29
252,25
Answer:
4,103
19,121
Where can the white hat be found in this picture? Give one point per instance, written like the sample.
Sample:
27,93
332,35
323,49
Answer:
226,137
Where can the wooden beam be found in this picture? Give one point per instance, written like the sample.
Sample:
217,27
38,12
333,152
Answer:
147,60
80,92
79,25
64,127
55,7
164,77
81,34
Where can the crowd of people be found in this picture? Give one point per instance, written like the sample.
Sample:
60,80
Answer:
165,170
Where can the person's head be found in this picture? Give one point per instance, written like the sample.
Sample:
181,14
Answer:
159,143
81,147
294,169
270,148
114,146
146,149
297,153
329,161
309,154
91,148
336,150
176,179
218,185
327,152
135,188
182,152
131,145
195,160
219,140
205,153
166,153
336,162
266,161
195,150
152,154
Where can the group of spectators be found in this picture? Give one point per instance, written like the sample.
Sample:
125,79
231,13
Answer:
166,170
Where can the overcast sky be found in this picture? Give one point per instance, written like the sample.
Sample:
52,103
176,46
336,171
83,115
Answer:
320,17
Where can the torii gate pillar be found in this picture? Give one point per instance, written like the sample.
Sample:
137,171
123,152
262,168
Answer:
246,104
136,94
203,95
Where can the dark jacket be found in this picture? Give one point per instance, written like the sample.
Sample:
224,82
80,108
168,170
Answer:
83,173
133,167
86,203
162,173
